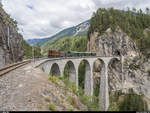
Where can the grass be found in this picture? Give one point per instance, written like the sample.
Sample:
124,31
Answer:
69,84
47,99
90,101
71,109
72,102
127,102
118,100
86,100
53,79
52,107
114,101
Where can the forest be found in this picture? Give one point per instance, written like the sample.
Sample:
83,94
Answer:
136,23
29,50
67,44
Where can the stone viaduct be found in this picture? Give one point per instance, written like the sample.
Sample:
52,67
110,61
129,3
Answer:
57,66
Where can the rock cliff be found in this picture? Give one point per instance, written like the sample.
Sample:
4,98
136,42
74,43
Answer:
136,71
11,49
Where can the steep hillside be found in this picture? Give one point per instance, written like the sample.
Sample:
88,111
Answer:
122,33
133,23
66,44
79,30
11,49
33,42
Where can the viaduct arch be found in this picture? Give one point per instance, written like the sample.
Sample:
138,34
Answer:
57,66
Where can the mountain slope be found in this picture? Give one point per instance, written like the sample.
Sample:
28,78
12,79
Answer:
79,30
66,44
37,41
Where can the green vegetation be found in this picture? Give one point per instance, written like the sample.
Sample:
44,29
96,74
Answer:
47,99
66,44
73,102
66,71
127,102
134,66
132,22
69,84
28,50
90,102
53,79
133,102
52,107
81,71
71,109
118,100
96,91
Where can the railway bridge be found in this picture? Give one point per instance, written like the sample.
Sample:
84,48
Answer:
57,66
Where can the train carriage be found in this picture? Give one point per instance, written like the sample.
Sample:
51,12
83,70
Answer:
53,54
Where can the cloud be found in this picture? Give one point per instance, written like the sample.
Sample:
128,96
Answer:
122,4
42,18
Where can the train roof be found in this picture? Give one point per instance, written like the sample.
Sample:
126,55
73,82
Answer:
80,52
52,50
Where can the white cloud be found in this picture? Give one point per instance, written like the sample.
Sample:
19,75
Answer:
41,18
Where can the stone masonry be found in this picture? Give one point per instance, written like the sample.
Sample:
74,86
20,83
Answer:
57,66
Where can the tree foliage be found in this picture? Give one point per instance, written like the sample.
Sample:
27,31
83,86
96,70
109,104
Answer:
28,50
67,44
133,102
133,22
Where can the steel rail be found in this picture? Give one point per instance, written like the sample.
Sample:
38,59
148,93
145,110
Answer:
12,67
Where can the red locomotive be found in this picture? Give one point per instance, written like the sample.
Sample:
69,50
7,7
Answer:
53,53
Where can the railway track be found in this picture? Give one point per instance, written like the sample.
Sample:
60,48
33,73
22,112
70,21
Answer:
11,67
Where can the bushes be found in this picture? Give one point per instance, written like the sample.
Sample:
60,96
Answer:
90,102
53,79
69,84
131,22
133,102
127,102
134,66
28,50
67,44
52,107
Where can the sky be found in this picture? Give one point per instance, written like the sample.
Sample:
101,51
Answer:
44,18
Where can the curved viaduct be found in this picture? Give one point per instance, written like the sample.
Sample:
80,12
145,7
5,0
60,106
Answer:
57,66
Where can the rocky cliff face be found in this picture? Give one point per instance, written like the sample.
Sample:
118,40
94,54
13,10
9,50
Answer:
11,49
136,67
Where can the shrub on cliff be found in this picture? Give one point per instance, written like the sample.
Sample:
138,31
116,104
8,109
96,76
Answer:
133,102
133,22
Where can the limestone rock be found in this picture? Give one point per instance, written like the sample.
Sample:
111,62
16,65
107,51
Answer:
136,71
11,49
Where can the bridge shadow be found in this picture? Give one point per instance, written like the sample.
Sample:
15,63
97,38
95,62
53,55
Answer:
84,76
98,71
70,72
55,71
114,75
